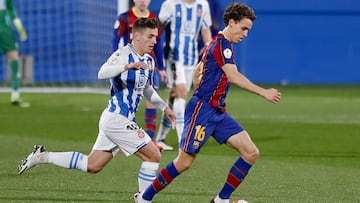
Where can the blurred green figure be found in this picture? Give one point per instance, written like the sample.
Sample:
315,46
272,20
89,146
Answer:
8,45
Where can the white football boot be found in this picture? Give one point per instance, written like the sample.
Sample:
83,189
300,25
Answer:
37,156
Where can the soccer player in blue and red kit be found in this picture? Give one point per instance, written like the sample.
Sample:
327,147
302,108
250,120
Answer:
206,115
123,30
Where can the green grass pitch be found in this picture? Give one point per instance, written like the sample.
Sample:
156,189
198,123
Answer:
309,150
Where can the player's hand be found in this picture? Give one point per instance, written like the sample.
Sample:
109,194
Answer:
163,75
136,66
20,28
23,36
171,115
272,95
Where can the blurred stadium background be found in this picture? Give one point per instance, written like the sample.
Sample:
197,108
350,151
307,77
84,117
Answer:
301,42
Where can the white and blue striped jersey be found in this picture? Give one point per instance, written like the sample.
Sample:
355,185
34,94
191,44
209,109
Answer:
186,21
127,88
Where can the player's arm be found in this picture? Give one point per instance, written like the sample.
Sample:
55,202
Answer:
16,20
238,79
117,32
115,65
152,96
166,12
206,24
206,35
198,73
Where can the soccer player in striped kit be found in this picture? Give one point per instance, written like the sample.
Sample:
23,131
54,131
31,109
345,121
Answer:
206,115
129,70
123,31
187,19
9,46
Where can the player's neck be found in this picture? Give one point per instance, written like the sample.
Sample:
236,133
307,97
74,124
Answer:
137,49
141,14
225,33
189,2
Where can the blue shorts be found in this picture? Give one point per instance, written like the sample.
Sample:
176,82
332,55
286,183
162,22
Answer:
203,121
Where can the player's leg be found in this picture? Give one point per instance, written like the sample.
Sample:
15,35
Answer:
167,174
151,159
181,91
150,111
9,45
242,143
93,163
131,139
165,124
195,116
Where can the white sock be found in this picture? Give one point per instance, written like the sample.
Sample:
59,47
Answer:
147,174
164,128
69,160
179,109
15,95
219,200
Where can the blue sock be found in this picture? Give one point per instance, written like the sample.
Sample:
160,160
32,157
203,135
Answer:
150,122
236,175
164,178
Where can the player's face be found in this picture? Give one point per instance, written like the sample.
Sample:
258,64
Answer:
239,30
142,5
147,40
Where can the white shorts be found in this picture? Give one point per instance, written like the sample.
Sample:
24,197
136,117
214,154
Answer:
179,74
118,132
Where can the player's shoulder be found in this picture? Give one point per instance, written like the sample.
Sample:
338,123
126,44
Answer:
123,51
171,2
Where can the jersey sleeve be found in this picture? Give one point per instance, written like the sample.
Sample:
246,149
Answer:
207,22
223,53
166,12
118,32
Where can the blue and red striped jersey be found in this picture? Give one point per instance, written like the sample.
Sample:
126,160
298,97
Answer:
214,84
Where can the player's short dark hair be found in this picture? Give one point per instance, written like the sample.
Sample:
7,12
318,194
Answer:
142,23
237,11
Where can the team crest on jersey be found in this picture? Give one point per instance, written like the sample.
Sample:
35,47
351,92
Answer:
188,26
142,82
227,53
196,145
140,133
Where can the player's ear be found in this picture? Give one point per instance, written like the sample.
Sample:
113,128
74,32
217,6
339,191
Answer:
231,22
136,35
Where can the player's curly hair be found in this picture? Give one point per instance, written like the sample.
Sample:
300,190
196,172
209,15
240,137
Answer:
237,11
142,23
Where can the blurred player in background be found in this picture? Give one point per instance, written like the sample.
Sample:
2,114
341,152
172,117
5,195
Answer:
206,115
187,18
8,45
123,32
129,70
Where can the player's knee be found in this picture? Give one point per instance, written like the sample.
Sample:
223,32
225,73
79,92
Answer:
182,166
155,157
252,155
94,169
